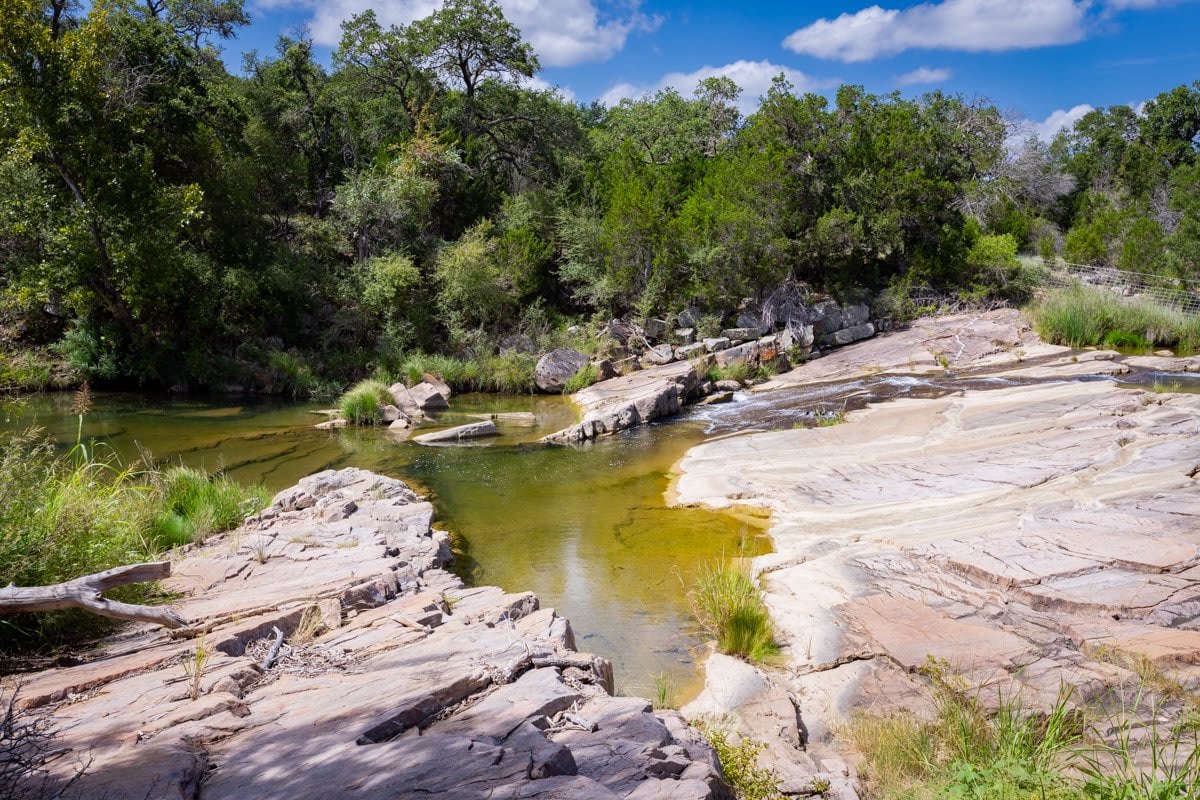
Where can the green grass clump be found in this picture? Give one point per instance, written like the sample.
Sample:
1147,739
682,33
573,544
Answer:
24,371
196,505
65,516
728,604
1126,339
291,375
1081,317
505,373
586,376
362,404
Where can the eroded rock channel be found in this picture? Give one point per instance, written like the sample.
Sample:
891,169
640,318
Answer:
396,679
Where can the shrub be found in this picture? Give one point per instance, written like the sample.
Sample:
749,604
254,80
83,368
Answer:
361,405
739,763
727,603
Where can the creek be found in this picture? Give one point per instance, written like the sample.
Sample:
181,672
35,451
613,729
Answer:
587,529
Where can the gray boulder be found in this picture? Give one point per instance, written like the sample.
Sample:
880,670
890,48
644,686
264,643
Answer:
475,430
742,334
661,354
848,335
427,397
555,368
655,328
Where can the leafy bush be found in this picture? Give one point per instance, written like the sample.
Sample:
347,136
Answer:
739,763
362,404
727,603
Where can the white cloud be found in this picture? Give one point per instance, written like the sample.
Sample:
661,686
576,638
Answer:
562,32
1045,130
754,78
970,25
923,75
1059,120
540,85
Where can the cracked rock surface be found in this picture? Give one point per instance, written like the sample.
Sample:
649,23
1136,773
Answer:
1016,533
394,680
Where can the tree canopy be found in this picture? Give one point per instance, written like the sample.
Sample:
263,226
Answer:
164,221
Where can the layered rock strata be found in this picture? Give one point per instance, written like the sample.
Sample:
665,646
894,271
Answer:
1022,536
393,679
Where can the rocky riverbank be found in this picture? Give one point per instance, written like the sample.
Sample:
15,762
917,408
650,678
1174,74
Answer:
392,679
1022,535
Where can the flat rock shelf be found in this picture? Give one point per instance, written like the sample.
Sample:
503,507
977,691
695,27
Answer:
394,680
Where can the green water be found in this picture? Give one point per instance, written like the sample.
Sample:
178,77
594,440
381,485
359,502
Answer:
585,528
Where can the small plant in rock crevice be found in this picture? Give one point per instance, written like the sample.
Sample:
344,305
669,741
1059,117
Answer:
728,604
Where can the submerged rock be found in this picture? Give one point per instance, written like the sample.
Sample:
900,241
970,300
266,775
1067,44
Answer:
474,430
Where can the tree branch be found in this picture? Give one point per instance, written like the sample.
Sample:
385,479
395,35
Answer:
86,592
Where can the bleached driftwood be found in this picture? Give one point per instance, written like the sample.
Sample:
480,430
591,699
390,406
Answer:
86,593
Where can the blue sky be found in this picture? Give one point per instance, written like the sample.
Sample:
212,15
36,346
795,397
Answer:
1045,61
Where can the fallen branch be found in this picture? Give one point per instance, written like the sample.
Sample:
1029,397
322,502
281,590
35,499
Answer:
86,593
273,653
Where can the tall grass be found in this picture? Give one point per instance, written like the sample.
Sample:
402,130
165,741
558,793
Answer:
728,604
508,373
62,517
194,505
363,403
1082,316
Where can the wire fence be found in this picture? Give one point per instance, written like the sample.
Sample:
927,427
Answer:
1166,291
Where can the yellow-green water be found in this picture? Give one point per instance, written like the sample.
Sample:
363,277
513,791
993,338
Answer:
585,528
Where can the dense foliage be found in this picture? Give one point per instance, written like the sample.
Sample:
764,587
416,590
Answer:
163,221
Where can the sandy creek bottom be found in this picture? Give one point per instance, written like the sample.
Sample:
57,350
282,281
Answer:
587,529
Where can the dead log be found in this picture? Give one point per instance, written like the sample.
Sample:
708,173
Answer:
86,593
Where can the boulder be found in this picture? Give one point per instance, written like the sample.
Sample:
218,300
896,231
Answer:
715,344
689,350
848,335
627,365
404,400
655,328
796,336
390,413
555,368
427,397
827,317
332,425
474,430
744,334
742,354
685,335
661,354
437,383
728,386
689,317
750,317
620,331
857,314
605,369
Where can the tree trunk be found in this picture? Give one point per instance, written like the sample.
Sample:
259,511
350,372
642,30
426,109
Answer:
86,592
